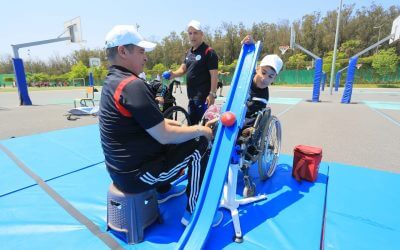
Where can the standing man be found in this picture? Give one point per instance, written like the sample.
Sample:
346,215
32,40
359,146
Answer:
142,149
201,66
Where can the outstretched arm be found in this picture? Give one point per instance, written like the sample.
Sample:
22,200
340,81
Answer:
179,72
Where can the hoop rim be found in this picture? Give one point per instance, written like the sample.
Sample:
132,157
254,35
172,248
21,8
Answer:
283,48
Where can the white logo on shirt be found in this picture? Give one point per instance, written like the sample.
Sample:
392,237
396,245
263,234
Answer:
198,57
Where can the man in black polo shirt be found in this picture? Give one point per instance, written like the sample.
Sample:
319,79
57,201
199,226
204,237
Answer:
201,66
142,149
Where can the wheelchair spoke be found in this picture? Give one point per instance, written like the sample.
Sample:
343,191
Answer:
271,137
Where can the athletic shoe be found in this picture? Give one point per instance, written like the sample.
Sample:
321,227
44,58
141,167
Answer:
175,191
187,217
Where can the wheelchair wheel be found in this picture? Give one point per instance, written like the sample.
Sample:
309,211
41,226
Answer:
177,113
270,147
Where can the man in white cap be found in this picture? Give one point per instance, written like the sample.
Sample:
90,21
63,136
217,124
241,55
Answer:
201,68
142,149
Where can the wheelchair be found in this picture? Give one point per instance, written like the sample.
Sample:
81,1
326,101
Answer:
169,109
259,143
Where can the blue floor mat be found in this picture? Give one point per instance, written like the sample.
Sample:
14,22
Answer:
362,210
52,154
275,223
361,204
86,191
30,219
12,178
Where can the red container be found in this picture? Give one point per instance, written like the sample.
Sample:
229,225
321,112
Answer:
306,162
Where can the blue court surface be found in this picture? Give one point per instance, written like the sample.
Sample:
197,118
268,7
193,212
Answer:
383,105
50,181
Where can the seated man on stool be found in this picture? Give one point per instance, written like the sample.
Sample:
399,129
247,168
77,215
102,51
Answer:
142,149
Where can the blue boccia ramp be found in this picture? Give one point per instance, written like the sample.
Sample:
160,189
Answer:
359,205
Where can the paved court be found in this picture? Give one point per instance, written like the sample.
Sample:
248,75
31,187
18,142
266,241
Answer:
364,133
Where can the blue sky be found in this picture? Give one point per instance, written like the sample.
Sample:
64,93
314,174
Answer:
24,21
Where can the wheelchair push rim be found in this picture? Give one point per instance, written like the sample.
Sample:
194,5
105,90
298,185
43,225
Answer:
271,147
179,114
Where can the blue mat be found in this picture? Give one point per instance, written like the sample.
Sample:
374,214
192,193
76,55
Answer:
29,215
51,154
30,219
276,223
362,210
12,178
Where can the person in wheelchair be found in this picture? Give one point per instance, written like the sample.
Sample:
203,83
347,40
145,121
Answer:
163,94
264,76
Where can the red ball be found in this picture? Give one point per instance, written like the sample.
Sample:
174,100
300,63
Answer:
228,118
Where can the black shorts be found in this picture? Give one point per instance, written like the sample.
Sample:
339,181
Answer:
219,85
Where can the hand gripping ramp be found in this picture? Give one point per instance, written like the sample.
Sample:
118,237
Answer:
196,232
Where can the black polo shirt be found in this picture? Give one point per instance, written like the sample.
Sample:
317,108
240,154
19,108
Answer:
125,142
198,64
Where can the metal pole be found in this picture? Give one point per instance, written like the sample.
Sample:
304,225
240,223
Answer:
305,50
379,35
335,48
374,45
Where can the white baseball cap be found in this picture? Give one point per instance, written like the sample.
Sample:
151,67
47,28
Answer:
127,34
195,24
273,61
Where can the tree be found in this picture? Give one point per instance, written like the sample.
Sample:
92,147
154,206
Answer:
159,68
79,70
385,62
297,61
327,61
99,72
6,66
350,47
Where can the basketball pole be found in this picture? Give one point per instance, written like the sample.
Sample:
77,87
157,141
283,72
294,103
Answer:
335,49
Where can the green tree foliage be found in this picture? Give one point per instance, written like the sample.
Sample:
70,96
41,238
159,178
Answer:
297,61
158,69
341,61
99,73
38,77
385,62
79,70
6,66
350,47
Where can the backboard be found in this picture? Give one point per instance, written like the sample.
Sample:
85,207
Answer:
395,30
74,28
94,62
292,37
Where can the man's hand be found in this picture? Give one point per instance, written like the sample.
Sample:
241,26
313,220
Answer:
206,131
172,75
210,100
160,99
247,40
211,123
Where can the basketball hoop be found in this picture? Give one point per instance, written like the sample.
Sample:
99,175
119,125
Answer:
283,49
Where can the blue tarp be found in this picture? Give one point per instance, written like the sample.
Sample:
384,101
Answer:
361,208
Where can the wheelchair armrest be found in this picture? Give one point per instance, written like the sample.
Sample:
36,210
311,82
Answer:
262,100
